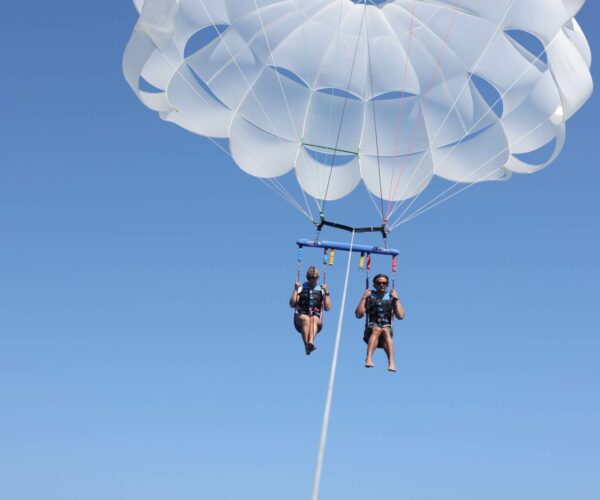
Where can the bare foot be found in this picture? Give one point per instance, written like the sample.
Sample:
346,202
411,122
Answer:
369,364
392,368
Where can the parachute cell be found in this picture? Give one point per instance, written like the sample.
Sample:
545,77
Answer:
399,88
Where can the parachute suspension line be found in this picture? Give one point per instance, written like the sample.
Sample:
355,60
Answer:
285,195
233,58
269,182
374,114
325,261
454,103
301,9
304,192
336,149
272,57
338,31
432,203
330,114
399,219
326,413
299,261
398,134
250,91
437,69
337,140
308,204
428,87
380,211
331,93
368,268
274,184
375,205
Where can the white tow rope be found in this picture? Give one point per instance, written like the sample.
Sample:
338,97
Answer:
325,426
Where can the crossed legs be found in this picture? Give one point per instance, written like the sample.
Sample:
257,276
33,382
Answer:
308,327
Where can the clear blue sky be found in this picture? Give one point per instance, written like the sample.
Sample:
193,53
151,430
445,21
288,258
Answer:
146,347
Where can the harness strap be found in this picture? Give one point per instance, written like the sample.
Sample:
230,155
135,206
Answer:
368,268
331,256
361,262
325,260
393,286
299,261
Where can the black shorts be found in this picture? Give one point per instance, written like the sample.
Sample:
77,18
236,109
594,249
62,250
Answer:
308,312
381,342
298,324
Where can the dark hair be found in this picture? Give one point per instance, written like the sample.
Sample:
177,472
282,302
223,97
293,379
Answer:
381,276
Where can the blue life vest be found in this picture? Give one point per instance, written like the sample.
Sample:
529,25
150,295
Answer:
379,309
310,300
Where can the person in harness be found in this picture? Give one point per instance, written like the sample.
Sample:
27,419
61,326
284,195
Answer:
309,300
379,306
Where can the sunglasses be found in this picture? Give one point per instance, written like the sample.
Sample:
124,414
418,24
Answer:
312,277
385,283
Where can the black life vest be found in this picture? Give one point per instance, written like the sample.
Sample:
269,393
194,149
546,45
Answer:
310,300
379,309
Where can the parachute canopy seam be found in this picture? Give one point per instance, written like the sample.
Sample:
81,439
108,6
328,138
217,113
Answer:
357,153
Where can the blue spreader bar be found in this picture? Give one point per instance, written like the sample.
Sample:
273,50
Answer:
346,247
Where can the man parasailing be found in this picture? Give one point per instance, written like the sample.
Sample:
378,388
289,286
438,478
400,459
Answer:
379,306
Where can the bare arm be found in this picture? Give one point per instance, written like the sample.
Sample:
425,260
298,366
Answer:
397,305
362,305
294,297
326,298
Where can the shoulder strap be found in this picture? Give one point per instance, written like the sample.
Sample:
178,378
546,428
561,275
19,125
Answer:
367,309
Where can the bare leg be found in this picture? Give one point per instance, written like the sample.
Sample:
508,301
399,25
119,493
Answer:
388,347
302,324
313,329
371,346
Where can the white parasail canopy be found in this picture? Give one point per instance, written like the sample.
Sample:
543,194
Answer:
389,93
